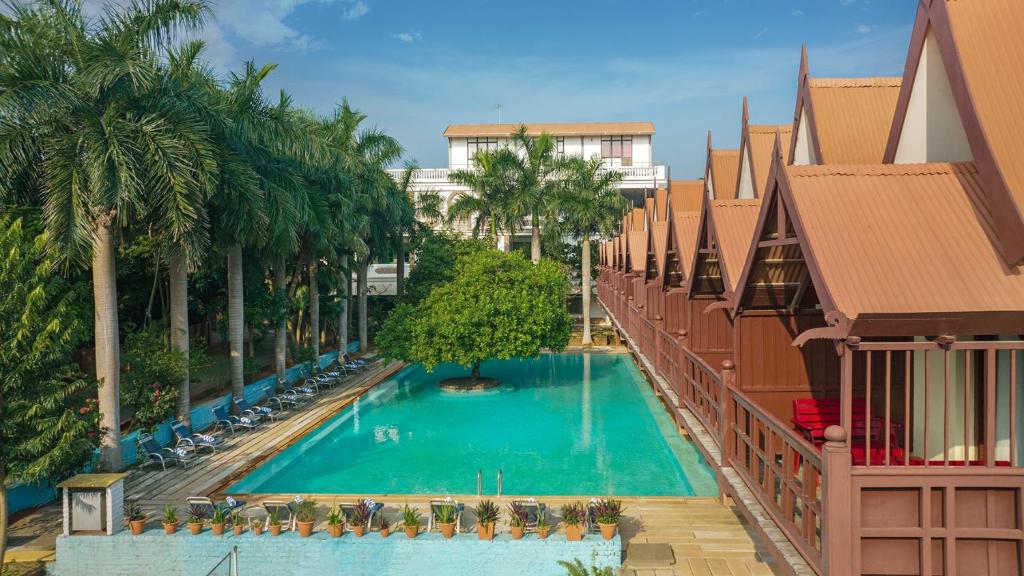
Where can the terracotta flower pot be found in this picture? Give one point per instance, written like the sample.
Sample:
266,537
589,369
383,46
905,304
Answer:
305,528
385,532
217,528
195,527
543,532
608,530
170,527
137,526
412,531
485,531
275,529
447,529
574,532
257,529
517,532
359,530
238,529
335,530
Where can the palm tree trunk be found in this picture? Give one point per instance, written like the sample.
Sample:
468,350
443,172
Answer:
179,331
314,307
535,240
585,285
400,267
364,264
346,281
281,331
236,319
108,351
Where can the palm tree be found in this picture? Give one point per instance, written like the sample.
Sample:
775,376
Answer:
85,122
589,204
487,204
534,190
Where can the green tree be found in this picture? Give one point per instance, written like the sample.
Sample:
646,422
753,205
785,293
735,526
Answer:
48,427
91,134
534,192
497,306
589,204
487,205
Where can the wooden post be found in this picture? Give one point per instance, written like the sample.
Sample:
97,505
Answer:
836,503
726,411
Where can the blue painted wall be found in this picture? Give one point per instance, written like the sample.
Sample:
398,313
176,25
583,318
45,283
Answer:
183,554
24,496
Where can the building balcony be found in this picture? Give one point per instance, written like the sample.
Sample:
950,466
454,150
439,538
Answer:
641,176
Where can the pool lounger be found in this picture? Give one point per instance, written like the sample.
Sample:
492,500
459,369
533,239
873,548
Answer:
304,391
208,506
194,441
220,414
375,510
534,510
154,453
435,505
256,412
285,513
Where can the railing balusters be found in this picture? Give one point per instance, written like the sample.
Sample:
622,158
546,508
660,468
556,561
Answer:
888,406
907,422
1013,408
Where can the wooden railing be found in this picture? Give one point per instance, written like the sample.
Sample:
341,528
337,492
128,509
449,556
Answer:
667,362
701,391
783,471
648,336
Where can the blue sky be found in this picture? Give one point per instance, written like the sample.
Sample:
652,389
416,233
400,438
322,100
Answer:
415,66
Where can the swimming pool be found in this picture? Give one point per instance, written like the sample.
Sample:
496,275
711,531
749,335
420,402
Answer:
561,424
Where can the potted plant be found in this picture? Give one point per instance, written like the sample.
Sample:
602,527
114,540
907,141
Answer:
236,523
517,520
335,522
196,516
385,526
256,526
135,517
543,529
357,517
170,519
305,517
410,520
218,521
608,513
275,523
446,514
486,517
573,516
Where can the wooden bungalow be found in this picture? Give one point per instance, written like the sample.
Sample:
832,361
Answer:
841,120
756,144
721,172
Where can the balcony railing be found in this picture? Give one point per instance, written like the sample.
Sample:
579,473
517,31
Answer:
644,174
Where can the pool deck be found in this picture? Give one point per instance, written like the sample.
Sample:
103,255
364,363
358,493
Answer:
707,537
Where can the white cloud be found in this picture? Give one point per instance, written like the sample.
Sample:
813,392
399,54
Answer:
797,12
864,28
408,37
760,33
355,9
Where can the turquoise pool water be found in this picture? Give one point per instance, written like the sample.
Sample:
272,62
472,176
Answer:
560,424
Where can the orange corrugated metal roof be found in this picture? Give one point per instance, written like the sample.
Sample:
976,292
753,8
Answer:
636,219
734,222
553,128
853,117
661,203
659,237
725,168
902,239
637,240
761,139
687,195
686,227
991,48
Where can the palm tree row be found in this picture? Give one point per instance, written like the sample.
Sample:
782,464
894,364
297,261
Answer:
109,125
570,196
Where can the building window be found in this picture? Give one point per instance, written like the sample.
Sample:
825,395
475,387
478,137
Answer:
475,145
617,149
560,146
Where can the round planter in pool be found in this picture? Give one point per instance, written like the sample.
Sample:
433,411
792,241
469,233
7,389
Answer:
467,384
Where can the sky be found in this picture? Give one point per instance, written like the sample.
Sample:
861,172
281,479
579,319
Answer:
415,66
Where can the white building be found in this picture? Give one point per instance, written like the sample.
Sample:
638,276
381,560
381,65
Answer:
626,147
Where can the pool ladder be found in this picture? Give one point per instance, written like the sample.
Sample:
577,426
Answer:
480,482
